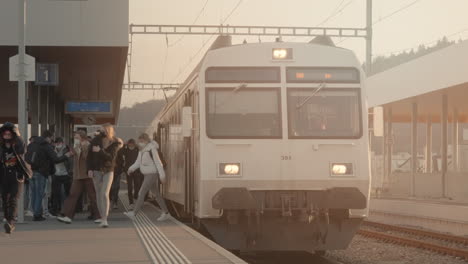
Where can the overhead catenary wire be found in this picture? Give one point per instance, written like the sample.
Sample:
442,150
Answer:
401,9
193,23
206,42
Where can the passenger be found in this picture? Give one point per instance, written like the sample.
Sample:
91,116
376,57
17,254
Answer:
134,179
81,181
150,164
61,178
42,158
119,165
101,163
13,172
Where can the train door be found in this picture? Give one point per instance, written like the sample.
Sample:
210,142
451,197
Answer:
189,162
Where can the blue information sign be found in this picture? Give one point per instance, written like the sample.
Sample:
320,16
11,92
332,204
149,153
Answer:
47,74
89,107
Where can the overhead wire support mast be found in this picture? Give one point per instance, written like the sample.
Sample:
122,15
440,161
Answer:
247,30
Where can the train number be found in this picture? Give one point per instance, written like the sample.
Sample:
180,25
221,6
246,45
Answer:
286,158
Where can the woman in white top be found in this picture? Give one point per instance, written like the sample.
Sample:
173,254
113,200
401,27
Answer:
151,167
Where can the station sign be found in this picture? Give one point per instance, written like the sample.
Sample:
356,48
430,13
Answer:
47,74
88,107
29,68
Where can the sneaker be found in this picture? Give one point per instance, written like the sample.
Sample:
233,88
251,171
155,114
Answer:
131,206
39,218
104,224
64,219
116,206
163,217
28,213
97,221
130,215
9,228
4,220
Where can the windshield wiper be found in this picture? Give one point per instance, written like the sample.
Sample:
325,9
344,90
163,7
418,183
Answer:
321,86
233,92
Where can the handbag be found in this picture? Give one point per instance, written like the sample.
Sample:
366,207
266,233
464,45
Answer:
162,178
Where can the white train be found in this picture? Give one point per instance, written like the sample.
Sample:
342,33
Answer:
267,146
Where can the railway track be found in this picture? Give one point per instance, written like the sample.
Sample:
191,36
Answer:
285,258
417,238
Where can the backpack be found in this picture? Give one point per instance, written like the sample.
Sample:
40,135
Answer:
35,155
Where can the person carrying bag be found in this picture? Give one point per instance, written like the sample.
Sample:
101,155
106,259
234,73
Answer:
150,165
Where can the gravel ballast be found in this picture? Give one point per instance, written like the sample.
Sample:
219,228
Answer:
365,250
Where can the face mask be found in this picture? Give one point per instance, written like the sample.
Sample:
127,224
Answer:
76,142
141,144
131,147
59,146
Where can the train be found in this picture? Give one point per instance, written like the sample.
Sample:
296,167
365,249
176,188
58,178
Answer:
266,146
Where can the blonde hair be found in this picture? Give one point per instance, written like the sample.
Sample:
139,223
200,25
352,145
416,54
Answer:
110,132
144,137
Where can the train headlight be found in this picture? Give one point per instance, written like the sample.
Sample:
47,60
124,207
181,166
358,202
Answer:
282,54
229,169
342,169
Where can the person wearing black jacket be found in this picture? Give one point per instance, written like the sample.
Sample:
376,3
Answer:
101,164
42,165
13,171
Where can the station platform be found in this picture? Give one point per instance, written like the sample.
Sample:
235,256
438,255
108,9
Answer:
437,215
143,241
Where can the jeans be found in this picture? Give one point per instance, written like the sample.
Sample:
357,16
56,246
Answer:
58,194
77,189
102,184
114,193
134,181
149,182
38,182
9,194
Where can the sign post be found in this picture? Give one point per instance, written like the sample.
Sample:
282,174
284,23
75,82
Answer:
22,113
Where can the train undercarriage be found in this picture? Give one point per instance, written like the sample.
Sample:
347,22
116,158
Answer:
312,220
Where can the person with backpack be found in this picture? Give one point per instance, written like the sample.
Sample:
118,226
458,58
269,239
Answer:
81,181
135,179
101,164
42,158
13,171
61,178
150,164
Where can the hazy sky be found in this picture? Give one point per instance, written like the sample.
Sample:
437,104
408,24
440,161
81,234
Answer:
423,22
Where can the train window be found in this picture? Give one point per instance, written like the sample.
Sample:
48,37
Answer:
243,75
331,113
319,75
249,113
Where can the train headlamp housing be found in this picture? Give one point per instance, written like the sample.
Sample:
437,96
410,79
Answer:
341,169
229,169
282,54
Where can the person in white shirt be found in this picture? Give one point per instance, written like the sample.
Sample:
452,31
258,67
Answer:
151,167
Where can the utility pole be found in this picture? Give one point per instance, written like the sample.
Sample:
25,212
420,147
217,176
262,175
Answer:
369,38
22,113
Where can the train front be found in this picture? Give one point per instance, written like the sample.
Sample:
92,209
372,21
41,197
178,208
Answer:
283,147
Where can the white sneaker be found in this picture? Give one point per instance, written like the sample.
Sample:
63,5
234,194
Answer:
4,220
163,217
28,213
104,224
131,206
97,221
64,219
130,215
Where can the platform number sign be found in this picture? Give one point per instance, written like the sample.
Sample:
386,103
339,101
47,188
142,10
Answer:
47,74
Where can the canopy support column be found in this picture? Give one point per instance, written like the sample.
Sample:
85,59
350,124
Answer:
414,147
444,145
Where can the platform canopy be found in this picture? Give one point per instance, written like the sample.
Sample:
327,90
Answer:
424,81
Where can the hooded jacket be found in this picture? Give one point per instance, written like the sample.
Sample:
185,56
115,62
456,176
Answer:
105,159
47,168
18,148
148,160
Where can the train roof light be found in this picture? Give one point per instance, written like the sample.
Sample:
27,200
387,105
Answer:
282,54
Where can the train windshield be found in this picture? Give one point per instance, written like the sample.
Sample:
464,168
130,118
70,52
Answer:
331,113
243,113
